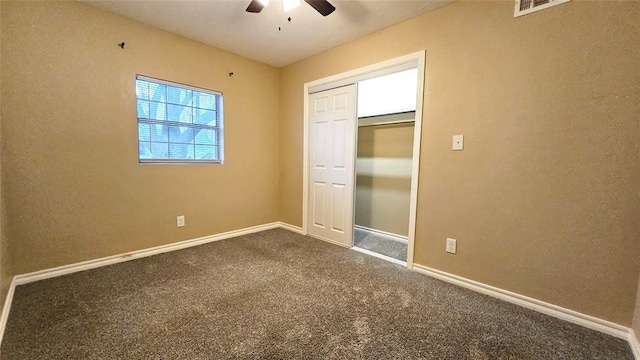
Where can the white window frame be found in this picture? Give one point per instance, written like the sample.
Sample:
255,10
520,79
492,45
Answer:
219,116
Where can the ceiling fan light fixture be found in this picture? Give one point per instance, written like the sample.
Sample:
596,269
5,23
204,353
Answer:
322,6
290,4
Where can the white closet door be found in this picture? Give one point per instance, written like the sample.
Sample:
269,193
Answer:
332,153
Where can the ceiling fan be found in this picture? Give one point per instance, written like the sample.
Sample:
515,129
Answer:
321,6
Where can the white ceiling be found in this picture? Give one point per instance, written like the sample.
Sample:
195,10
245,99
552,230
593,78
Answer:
225,24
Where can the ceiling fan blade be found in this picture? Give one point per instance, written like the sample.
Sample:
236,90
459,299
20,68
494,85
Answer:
321,6
255,6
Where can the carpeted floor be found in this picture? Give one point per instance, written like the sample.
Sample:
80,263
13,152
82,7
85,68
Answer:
380,244
279,295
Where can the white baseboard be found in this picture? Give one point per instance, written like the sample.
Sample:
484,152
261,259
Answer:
109,260
634,343
571,316
290,227
329,241
392,236
5,309
575,317
379,256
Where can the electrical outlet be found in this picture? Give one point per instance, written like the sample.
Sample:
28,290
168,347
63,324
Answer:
451,246
180,220
458,142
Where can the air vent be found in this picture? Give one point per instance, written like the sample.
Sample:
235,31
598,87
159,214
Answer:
524,7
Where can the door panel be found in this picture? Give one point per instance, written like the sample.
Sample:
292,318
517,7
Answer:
338,152
337,218
332,152
318,204
321,147
341,102
321,105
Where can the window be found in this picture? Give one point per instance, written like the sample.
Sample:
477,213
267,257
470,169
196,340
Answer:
178,123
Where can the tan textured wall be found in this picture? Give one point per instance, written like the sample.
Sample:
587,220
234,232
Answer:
5,263
74,188
545,198
383,190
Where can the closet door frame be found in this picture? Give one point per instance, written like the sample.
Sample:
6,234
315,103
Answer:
409,61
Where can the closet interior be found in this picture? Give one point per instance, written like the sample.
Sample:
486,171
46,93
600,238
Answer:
384,157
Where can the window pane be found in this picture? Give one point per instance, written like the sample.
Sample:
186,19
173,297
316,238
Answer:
204,100
157,92
159,133
159,150
179,96
143,109
142,89
206,152
179,113
172,119
157,111
143,132
206,137
144,150
180,134
179,151
205,117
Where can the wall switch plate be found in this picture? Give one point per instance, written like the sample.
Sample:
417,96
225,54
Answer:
180,220
451,245
458,142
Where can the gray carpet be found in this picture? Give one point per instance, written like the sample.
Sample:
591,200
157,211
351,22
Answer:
380,244
279,295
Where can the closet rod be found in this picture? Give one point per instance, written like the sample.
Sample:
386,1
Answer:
387,123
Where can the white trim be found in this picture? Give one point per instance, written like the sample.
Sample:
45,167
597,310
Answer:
114,259
635,344
561,313
527,302
177,84
305,160
329,241
391,236
417,58
415,167
290,227
588,321
109,260
408,117
387,67
6,308
379,256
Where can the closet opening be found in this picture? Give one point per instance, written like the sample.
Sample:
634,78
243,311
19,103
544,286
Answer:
384,161
362,131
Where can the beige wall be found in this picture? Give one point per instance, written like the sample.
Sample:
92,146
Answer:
544,200
73,185
5,263
383,177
